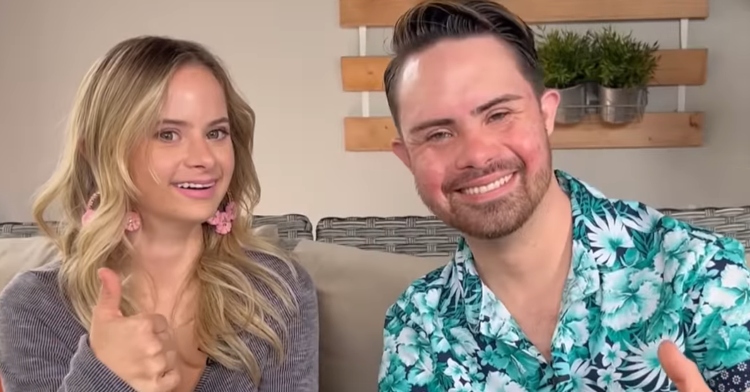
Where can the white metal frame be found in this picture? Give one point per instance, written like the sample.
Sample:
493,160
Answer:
683,45
363,52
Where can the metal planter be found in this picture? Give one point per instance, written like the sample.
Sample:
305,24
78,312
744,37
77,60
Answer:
592,98
572,107
622,105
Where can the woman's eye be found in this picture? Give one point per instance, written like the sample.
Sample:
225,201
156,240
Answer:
217,134
167,135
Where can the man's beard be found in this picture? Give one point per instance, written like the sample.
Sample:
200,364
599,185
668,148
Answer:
497,218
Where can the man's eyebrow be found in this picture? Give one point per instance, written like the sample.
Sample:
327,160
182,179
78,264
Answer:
495,101
442,122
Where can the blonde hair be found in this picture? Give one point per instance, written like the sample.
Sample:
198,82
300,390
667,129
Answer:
119,99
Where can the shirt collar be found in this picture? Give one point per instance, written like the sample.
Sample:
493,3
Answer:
485,314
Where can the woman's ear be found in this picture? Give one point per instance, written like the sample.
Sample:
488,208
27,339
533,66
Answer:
82,151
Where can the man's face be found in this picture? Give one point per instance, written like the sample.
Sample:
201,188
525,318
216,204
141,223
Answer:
475,135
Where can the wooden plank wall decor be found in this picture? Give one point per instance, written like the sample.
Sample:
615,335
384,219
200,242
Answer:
383,13
677,67
671,129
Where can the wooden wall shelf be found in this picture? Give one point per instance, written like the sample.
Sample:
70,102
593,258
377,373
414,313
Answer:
384,13
676,67
654,130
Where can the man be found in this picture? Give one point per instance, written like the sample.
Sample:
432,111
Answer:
554,287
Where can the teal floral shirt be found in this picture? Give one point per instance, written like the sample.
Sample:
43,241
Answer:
637,277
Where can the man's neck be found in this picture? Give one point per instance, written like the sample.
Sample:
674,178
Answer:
535,258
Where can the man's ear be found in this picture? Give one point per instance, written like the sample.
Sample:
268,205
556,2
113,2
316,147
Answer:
549,103
399,148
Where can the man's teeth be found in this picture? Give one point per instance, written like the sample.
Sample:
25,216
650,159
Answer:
478,190
190,185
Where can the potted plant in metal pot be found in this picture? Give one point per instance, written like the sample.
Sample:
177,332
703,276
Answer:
566,61
624,66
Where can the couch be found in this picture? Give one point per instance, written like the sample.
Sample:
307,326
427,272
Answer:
360,265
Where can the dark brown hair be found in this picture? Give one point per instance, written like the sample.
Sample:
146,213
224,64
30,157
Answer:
433,20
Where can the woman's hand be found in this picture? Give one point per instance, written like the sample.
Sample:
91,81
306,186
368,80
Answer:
139,349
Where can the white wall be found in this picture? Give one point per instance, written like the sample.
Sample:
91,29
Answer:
293,81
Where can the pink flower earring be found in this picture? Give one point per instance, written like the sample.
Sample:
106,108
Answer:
132,219
222,220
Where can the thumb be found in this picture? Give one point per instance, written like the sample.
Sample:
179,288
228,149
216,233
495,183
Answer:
110,293
681,370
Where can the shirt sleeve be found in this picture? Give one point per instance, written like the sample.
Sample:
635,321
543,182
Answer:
408,362
32,355
299,370
719,336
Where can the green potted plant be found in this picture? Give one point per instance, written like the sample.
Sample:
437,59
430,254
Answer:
624,66
566,61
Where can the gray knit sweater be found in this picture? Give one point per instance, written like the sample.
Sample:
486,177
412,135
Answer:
44,348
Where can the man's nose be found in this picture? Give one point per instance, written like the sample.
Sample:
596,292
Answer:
475,150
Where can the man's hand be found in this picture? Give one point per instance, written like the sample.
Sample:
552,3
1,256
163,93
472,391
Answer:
682,371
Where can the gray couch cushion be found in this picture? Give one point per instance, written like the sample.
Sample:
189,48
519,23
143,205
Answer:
290,227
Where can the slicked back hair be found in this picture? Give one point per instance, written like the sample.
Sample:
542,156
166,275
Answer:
434,20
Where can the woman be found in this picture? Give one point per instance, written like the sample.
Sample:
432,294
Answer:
161,285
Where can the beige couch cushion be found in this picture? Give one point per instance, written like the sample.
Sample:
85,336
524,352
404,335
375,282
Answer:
355,288
21,254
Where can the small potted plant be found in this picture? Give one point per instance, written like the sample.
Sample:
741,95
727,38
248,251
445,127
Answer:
566,61
624,66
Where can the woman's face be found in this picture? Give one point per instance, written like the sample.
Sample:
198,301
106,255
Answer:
184,167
